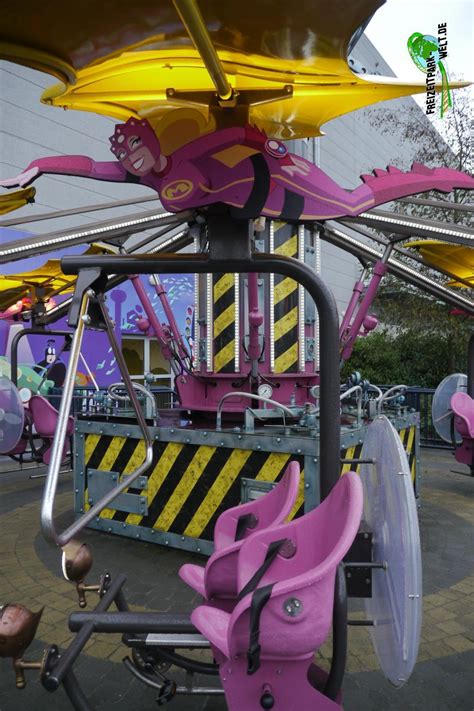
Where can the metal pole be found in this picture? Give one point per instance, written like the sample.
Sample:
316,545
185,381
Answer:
268,263
193,21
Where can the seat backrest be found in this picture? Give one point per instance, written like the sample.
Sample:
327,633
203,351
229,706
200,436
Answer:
45,416
303,571
270,509
462,405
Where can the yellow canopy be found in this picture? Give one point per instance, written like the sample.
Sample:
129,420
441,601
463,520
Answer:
15,199
137,58
50,277
453,258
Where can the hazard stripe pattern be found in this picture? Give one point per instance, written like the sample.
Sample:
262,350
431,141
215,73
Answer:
285,303
223,327
189,486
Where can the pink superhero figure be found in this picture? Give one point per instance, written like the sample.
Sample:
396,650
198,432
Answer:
242,168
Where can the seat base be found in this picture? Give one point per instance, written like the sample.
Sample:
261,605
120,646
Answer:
290,683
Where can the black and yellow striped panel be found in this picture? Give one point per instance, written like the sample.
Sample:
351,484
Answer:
407,437
285,302
223,329
189,486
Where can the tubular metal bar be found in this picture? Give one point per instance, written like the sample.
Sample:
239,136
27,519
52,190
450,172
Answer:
47,505
267,263
14,346
407,226
47,509
106,231
75,694
67,659
76,211
442,204
339,637
132,622
406,252
178,242
402,271
193,21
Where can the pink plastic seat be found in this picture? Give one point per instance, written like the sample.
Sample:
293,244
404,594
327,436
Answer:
296,617
462,405
45,421
218,579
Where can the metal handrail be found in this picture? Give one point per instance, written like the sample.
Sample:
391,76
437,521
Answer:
114,387
48,526
250,396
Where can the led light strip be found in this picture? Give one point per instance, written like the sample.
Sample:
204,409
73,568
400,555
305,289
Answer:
209,324
196,331
31,244
271,233
301,298
403,267
317,267
237,323
416,225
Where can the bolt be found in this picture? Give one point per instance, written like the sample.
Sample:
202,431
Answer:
278,439
306,486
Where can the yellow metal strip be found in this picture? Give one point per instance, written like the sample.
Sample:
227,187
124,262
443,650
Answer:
224,319
299,499
286,323
184,487
158,476
288,248
224,356
133,463
283,289
218,490
287,359
348,455
272,466
409,449
111,454
222,285
92,441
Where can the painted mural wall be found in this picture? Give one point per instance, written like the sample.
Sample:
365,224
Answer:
49,354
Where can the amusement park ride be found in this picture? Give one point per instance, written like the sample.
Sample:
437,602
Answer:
206,97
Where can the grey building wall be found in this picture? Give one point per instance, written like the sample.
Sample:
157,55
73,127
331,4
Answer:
29,129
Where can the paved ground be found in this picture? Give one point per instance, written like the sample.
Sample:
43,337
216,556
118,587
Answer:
30,574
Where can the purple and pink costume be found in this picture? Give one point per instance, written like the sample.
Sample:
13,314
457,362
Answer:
245,170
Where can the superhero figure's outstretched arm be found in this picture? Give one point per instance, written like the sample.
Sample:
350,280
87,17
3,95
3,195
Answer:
68,165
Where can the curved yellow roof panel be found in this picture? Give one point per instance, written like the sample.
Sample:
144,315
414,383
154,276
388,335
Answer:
49,277
14,199
455,259
285,63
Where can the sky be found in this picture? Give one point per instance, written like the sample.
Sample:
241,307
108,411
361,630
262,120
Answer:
395,21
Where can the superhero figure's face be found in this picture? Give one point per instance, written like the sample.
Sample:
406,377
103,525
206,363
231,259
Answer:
136,146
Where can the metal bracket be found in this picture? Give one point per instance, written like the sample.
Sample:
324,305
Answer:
91,277
309,349
245,97
101,482
251,489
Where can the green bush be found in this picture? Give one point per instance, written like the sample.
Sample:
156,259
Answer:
411,357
